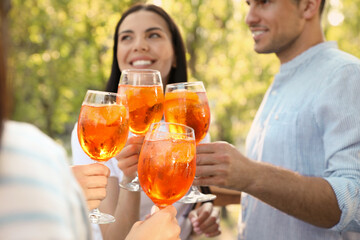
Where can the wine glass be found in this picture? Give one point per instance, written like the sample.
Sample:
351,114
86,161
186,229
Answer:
167,162
187,103
144,91
103,128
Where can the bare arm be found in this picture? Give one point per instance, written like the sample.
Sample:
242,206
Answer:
225,196
310,199
124,206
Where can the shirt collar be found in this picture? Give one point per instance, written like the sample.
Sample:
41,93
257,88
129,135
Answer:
307,55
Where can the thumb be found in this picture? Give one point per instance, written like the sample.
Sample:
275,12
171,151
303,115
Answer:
193,215
154,209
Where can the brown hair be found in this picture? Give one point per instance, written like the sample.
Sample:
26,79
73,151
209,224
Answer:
4,8
322,5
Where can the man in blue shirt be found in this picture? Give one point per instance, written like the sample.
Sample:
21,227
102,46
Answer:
300,176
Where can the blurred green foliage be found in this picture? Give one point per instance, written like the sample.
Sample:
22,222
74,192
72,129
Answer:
61,48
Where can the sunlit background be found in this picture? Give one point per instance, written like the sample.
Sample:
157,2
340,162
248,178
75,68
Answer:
61,48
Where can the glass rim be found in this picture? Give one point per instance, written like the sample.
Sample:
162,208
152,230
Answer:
185,83
192,131
102,95
140,77
103,92
197,86
141,70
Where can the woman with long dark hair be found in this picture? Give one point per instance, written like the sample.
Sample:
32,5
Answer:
145,37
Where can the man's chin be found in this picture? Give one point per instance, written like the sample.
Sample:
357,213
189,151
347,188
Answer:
262,50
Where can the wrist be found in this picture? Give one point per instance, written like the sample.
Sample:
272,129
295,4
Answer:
252,176
127,179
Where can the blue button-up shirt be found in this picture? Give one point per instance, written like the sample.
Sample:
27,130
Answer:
309,122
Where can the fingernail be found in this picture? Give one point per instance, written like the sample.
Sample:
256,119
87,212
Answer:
154,209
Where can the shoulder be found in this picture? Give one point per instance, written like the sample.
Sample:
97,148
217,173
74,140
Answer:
34,167
338,59
336,67
22,141
20,133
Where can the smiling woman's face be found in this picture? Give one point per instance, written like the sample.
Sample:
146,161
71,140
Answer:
145,42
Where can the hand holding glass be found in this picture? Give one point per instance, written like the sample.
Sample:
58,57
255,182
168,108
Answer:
187,103
103,128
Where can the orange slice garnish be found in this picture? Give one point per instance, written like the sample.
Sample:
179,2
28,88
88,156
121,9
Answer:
112,113
183,150
181,94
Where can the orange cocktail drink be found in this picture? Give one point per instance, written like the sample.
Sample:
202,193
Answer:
190,108
187,103
102,130
145,106
167,164
144,91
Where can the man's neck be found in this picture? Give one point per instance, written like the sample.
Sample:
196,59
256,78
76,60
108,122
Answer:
311,36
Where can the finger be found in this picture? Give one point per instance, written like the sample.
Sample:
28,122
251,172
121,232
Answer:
213,234
132,146
211,223
212,159
92,204
95,193
212,230
136,140
204,212
210,181
130,172
205,148
129,166
93,169
91,181
137,224
210,170
217,169
128,162
98,169
128,151
94,182
193,216
171,209
154,209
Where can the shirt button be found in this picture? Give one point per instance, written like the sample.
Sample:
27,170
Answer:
273,93
276,117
